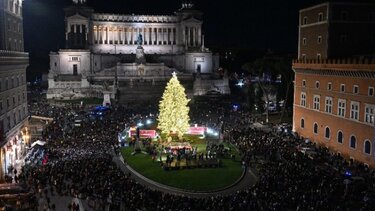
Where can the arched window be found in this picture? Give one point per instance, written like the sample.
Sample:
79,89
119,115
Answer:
315,128
367,147
302,123
353,142
327,133
340,137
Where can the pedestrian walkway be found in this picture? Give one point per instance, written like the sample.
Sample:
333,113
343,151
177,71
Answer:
248,179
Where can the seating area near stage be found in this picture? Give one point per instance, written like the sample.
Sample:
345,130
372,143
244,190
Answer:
189,164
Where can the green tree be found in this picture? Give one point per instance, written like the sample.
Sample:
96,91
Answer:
174,109
273,67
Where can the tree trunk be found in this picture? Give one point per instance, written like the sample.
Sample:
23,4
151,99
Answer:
266,93
285,101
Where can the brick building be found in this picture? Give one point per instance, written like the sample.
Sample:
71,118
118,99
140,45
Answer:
13,96
334,102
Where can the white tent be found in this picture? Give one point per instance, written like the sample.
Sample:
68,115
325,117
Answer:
39,142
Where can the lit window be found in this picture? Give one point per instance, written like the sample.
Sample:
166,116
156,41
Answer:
369,114
354,110
316,102
328,105
341,107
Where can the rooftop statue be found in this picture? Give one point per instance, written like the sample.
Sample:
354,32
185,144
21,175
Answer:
140,39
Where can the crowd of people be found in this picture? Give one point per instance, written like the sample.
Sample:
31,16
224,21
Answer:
81,165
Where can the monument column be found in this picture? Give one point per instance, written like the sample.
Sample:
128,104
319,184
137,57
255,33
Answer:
67,32
101,34
87,33
106,35
95,34
194,36
188,38
129,35
199,36
153,37
135,36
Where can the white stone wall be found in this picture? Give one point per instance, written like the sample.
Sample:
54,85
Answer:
63,62
204,59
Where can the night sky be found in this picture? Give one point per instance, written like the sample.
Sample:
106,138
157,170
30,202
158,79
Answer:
249,24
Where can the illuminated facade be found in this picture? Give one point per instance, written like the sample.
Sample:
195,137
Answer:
120,52
13,97
334,102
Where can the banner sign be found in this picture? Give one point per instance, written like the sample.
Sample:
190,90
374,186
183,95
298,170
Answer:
143,133
196,130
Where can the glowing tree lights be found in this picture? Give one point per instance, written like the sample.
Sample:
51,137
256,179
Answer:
173,109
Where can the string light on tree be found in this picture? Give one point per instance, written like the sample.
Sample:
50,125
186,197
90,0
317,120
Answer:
173,109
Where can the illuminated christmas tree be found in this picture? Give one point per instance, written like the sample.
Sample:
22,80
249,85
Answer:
173,109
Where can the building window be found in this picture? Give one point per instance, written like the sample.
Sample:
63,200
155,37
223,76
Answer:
329,86
304,41
318,56
304,83
303,99
327,133
320,17
367,147
369,114
74,58
371,91
317,84
342,87
316,102
6,84
304,20
354,110
344,15
1,107
340,137
341,108
355,89
353,142
319,39
328,105
315,128
302,123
